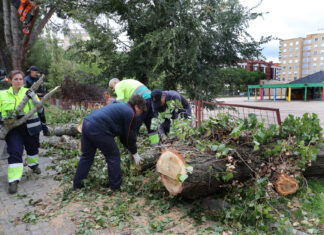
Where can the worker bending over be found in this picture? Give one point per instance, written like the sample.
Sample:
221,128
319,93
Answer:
160,101
98,131
127,88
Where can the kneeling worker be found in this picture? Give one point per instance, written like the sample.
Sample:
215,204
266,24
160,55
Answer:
98,131
160,101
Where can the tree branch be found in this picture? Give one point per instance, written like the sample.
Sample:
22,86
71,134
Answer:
8,126
39,28
6,21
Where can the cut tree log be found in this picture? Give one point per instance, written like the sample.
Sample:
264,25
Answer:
208,171
67,129
286,185
206,177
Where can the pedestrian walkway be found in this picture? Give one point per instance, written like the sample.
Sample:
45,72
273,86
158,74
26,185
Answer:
32,188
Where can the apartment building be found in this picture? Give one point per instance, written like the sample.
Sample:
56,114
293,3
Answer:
269,68
300,57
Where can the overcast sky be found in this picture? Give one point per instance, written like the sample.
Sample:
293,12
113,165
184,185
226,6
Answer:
285,19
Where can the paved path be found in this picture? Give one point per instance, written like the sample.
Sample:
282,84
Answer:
297,108
30,189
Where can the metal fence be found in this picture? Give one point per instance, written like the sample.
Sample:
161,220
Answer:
204,109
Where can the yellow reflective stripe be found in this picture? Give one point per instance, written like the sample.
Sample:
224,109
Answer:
15,172
32,160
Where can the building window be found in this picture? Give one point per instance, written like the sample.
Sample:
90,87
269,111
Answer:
289,72
290,55
322,45
290,61
283,79
305,71
306,59
314,59
314,70
315,45
315,39
321,58
307,53
285,44
322,51
305,66
290,44
296,66
285,50
321,64
315,64
295,72
290,67
296,61
296,48
290,49
284,56
315,52
295,78
289,78
284,67
296,55
308,41
284,73
297,43
307,48
284,62
322,38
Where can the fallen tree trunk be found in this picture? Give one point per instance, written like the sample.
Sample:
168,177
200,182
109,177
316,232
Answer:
209,173
64,142
67,129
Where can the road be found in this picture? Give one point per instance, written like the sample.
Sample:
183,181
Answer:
297,108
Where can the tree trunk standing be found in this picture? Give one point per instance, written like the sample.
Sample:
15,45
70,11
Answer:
16,42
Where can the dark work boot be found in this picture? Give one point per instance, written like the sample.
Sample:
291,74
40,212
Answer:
13,187
36,169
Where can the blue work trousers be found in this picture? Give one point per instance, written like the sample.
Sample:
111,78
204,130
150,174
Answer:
93,139
17,139
146,117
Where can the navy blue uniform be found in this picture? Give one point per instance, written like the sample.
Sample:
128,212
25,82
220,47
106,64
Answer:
98,131
185,112
29,81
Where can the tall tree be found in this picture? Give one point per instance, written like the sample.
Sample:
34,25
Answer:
14,44
184,42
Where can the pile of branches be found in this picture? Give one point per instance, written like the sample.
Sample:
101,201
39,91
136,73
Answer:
72,89
225,151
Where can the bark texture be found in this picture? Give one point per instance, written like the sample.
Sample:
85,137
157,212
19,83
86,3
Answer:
208,171
67,129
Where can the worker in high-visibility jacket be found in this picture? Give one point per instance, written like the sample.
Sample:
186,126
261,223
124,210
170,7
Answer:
124,90
25,135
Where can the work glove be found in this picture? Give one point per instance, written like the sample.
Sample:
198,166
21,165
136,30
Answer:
138,159
32,96
154,138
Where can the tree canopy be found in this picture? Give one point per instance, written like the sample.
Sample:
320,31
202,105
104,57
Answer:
174,43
